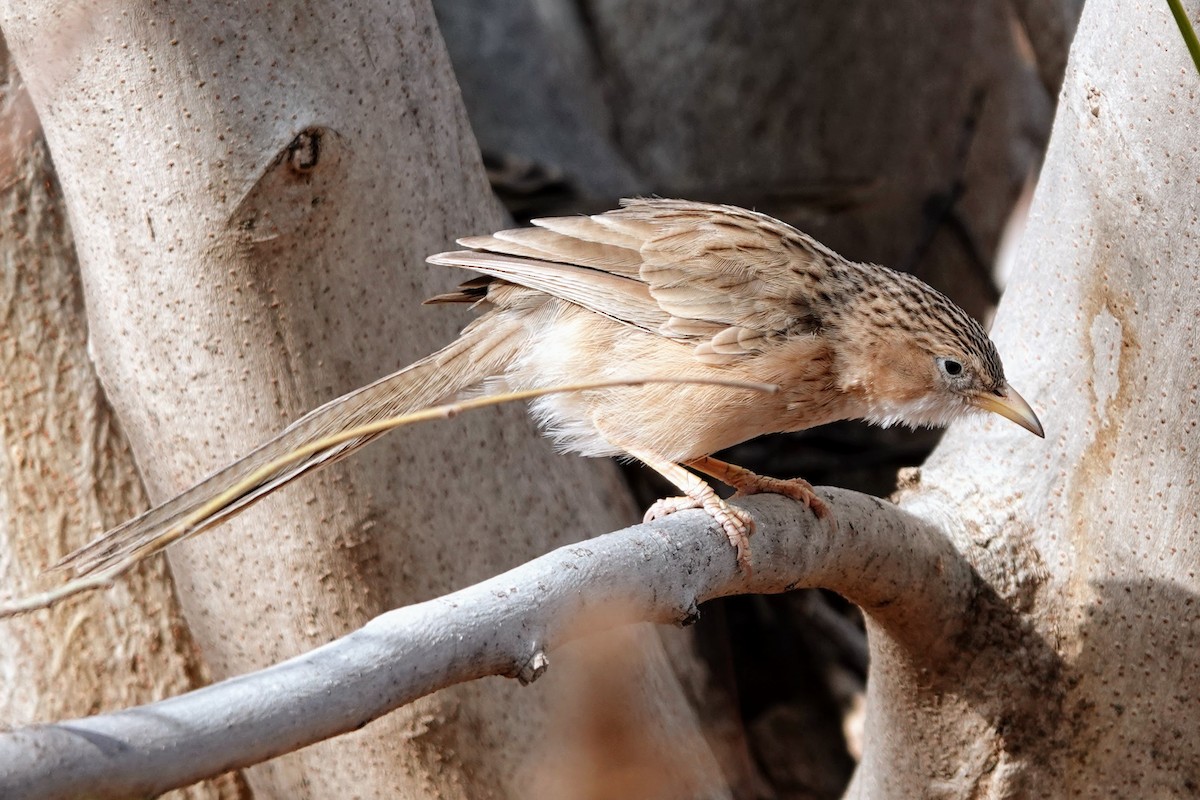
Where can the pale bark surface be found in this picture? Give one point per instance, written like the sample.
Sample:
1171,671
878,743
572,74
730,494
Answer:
1077,669
253,193
66,473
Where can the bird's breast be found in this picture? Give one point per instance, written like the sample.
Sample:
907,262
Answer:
677,421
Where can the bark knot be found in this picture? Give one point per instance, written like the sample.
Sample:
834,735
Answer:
304,151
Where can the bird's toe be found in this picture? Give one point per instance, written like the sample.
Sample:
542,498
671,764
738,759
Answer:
669,505
738,526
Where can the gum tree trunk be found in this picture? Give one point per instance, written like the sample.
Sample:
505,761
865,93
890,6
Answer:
66,473
253,193
1074,664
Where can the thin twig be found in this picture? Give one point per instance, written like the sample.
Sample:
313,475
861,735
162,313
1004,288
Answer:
1185,28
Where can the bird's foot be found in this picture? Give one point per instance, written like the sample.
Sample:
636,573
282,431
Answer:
747,483
736,523
795,488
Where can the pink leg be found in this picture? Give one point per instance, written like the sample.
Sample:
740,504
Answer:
747,483
737,524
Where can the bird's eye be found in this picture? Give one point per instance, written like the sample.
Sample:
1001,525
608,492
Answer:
951,367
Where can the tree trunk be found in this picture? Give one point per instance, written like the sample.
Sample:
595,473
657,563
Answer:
898,133
530,91
66,473
1073,668
253,193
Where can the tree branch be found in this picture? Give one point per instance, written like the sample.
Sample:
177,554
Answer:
902,571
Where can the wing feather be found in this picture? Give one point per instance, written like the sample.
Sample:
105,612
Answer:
623,299
726,278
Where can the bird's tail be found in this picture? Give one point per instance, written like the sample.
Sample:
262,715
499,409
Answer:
483,350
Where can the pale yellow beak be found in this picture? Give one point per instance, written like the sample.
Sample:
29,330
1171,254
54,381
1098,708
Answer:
1012,406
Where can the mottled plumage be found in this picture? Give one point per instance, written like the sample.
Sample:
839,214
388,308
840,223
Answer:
657,288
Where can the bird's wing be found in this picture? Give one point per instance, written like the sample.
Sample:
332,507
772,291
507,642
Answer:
624,299
725,278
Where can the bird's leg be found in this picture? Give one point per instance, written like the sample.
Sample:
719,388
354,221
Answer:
737,524
747,483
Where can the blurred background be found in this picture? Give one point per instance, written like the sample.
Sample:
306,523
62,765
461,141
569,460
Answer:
904,133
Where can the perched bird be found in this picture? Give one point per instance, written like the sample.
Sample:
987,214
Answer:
656,288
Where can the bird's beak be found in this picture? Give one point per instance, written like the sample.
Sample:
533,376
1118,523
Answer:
1010,405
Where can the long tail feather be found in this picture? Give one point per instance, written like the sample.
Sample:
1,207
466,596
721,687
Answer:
483,350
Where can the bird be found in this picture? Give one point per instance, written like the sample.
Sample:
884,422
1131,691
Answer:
656,288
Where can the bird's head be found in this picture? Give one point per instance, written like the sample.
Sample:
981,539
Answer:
920,360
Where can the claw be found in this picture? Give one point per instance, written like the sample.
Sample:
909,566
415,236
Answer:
736,523
748,483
